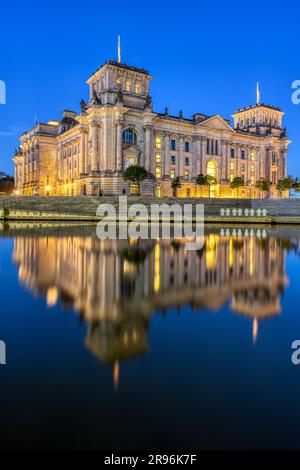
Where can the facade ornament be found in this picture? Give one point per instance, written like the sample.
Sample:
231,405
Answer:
119,97
166,111
83,106
148,102
180,114
96,100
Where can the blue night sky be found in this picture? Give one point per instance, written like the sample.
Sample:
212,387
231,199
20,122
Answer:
205,57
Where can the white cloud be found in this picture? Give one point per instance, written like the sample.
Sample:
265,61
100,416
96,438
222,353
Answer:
12,131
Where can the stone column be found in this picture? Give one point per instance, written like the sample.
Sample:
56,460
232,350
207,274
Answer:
194,159
167,156
82,151
94,145
223,159
119,150
283,163
86,153
203,153
180,158
147,129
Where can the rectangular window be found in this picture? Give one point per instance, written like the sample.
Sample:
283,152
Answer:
173,159
187,161
242,167
232,153
252,168
158,172
186,146
158,158
252,179
186,173
243,154
158,142
231,177
232,166
173,144
172,173
252,154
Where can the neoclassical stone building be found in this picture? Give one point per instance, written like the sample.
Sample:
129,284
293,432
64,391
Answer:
86,153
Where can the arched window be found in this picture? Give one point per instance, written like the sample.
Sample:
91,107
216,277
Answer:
137,87
212,168
129,137
274,158
128,85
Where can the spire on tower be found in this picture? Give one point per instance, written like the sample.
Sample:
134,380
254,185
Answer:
119,49
257,94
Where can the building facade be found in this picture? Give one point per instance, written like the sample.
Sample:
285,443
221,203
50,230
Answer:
86,153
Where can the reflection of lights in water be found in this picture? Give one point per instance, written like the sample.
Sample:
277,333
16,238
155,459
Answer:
52,296
251,257
157,268
211,250
116,374
255,330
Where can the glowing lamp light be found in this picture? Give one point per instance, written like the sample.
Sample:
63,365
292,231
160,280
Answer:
48,188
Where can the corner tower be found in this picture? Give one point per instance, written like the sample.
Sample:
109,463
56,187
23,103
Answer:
120,83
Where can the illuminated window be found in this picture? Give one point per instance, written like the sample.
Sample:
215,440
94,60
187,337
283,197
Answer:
137,87
129,137
252,179
119,80
212,168
252,167
158,142
232,166
158,172
128,85
231,177
158,158
186,173
134,189
252,154
172,173
173,144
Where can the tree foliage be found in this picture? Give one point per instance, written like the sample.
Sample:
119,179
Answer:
135,173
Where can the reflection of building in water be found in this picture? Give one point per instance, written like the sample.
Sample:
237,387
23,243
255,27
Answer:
117,284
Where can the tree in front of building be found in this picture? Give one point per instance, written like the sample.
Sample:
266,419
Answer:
237,183
6,185
210,181
201,181
175,185
263,185
136,174
286,184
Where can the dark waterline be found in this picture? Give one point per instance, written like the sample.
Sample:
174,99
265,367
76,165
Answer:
141,344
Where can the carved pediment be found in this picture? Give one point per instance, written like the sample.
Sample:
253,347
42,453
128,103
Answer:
217,123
